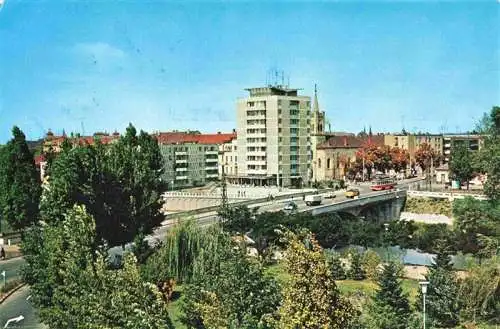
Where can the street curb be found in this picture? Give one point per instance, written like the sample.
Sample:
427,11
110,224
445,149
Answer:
11,292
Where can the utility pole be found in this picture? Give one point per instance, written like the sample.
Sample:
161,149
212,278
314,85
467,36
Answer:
224,203
363,167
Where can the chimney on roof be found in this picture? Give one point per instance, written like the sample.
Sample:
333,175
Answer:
234,131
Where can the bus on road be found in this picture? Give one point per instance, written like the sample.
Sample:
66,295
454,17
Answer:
383,183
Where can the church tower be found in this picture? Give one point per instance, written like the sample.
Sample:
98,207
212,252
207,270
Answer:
318,117
318,134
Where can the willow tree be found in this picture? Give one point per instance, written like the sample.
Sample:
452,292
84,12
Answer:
175,257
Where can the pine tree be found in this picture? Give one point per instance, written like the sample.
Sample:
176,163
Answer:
20,186
356,272
337,269
442,301
390,308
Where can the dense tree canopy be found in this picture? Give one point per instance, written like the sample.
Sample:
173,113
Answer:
461,167
119,184
73,287
19,183
311,299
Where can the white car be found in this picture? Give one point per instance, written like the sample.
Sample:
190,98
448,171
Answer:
290,206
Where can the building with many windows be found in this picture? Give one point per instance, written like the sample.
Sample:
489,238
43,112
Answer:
228,157
475,142
273,143
191,158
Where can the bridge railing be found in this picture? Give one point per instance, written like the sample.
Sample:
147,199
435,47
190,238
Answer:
360,201
244,203
445,195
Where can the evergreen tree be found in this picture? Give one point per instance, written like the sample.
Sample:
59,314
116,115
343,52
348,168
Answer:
311,298
442,302
390,308
337,269
20,187
356,271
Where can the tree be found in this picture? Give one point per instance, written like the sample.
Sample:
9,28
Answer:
337,268
474,220
442,301
75,287
370,264
356,271
480,292
488,158
461,163
311,298
400,158
237,220
228,289
176,255
425,155
119,184
20,187
390,308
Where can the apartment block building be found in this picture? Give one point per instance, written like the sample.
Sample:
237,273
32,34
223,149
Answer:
411,142
191,158
228,158
475,142
273,137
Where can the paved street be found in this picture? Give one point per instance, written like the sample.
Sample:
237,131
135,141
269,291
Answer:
17,305
12,268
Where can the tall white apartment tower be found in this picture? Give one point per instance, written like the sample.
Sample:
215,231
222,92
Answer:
273,137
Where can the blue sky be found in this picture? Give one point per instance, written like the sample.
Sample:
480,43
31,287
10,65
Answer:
97,65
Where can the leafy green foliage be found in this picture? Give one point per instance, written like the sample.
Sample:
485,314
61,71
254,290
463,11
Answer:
429,206
237,220
442,301
480,292
427,237
311,299
477,222
461,163
228,289
356,271
73,287
488,158
20,187
390,308
370,264
176,255
337,268
119,185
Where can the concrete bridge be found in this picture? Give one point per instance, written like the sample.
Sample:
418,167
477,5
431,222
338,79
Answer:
380,206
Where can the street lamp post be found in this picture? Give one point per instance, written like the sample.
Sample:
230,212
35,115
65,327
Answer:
386,230
423,285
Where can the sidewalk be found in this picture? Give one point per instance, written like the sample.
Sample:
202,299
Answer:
12,251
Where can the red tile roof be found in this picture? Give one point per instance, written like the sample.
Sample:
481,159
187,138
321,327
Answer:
350,141
184,137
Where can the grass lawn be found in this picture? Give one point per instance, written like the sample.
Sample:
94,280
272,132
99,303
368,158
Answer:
174,308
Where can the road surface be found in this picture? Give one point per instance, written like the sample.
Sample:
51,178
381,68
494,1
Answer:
12,268
17,305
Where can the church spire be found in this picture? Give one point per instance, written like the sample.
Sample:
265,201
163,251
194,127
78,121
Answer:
316,103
